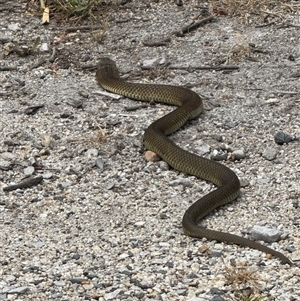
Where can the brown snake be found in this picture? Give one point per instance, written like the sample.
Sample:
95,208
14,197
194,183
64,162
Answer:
155,138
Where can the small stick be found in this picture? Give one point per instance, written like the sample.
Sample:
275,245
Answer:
216,68
195,25
27,183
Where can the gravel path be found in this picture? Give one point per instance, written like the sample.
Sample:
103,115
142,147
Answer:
105,224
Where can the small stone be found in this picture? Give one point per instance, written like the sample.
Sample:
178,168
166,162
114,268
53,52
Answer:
145,284
238,154
113,295
148,64
100,164
38,244
183,181
202,249
48,175
217,156
44,47
29,170
13,26
216,254
164,244
139,224
182,292
18,290
4,165
195,267
92,152
265,233
203,149
269,154
10,278
65,184
226,147
123,256
244,182
60,283
263,180
77,280
282,137
163,165
151,156
88,286
7,156
110,185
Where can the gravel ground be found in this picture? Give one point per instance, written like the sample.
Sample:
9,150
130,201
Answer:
105,224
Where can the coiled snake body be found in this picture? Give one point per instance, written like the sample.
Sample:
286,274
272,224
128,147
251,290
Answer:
155,138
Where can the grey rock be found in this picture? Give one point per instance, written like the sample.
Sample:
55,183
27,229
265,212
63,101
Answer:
13,26
110,185
145,284
163,165
60,283
113,295
217,156
92,152
48,175
4,164
265,233
150,63
19,290
139,224
38,244
65,184
182,292
29,170
269,154
238,154
183,181
282,137
44,47
226,147
10,278
263,180
77,280
7,156
203,149
99,163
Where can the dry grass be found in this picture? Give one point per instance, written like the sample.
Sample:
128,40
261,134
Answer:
264,8
76,11
73,11
245,283
97,137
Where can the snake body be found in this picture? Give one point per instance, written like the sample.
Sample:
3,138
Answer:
155,139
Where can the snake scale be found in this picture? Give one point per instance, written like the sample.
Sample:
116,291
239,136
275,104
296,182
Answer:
189,106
